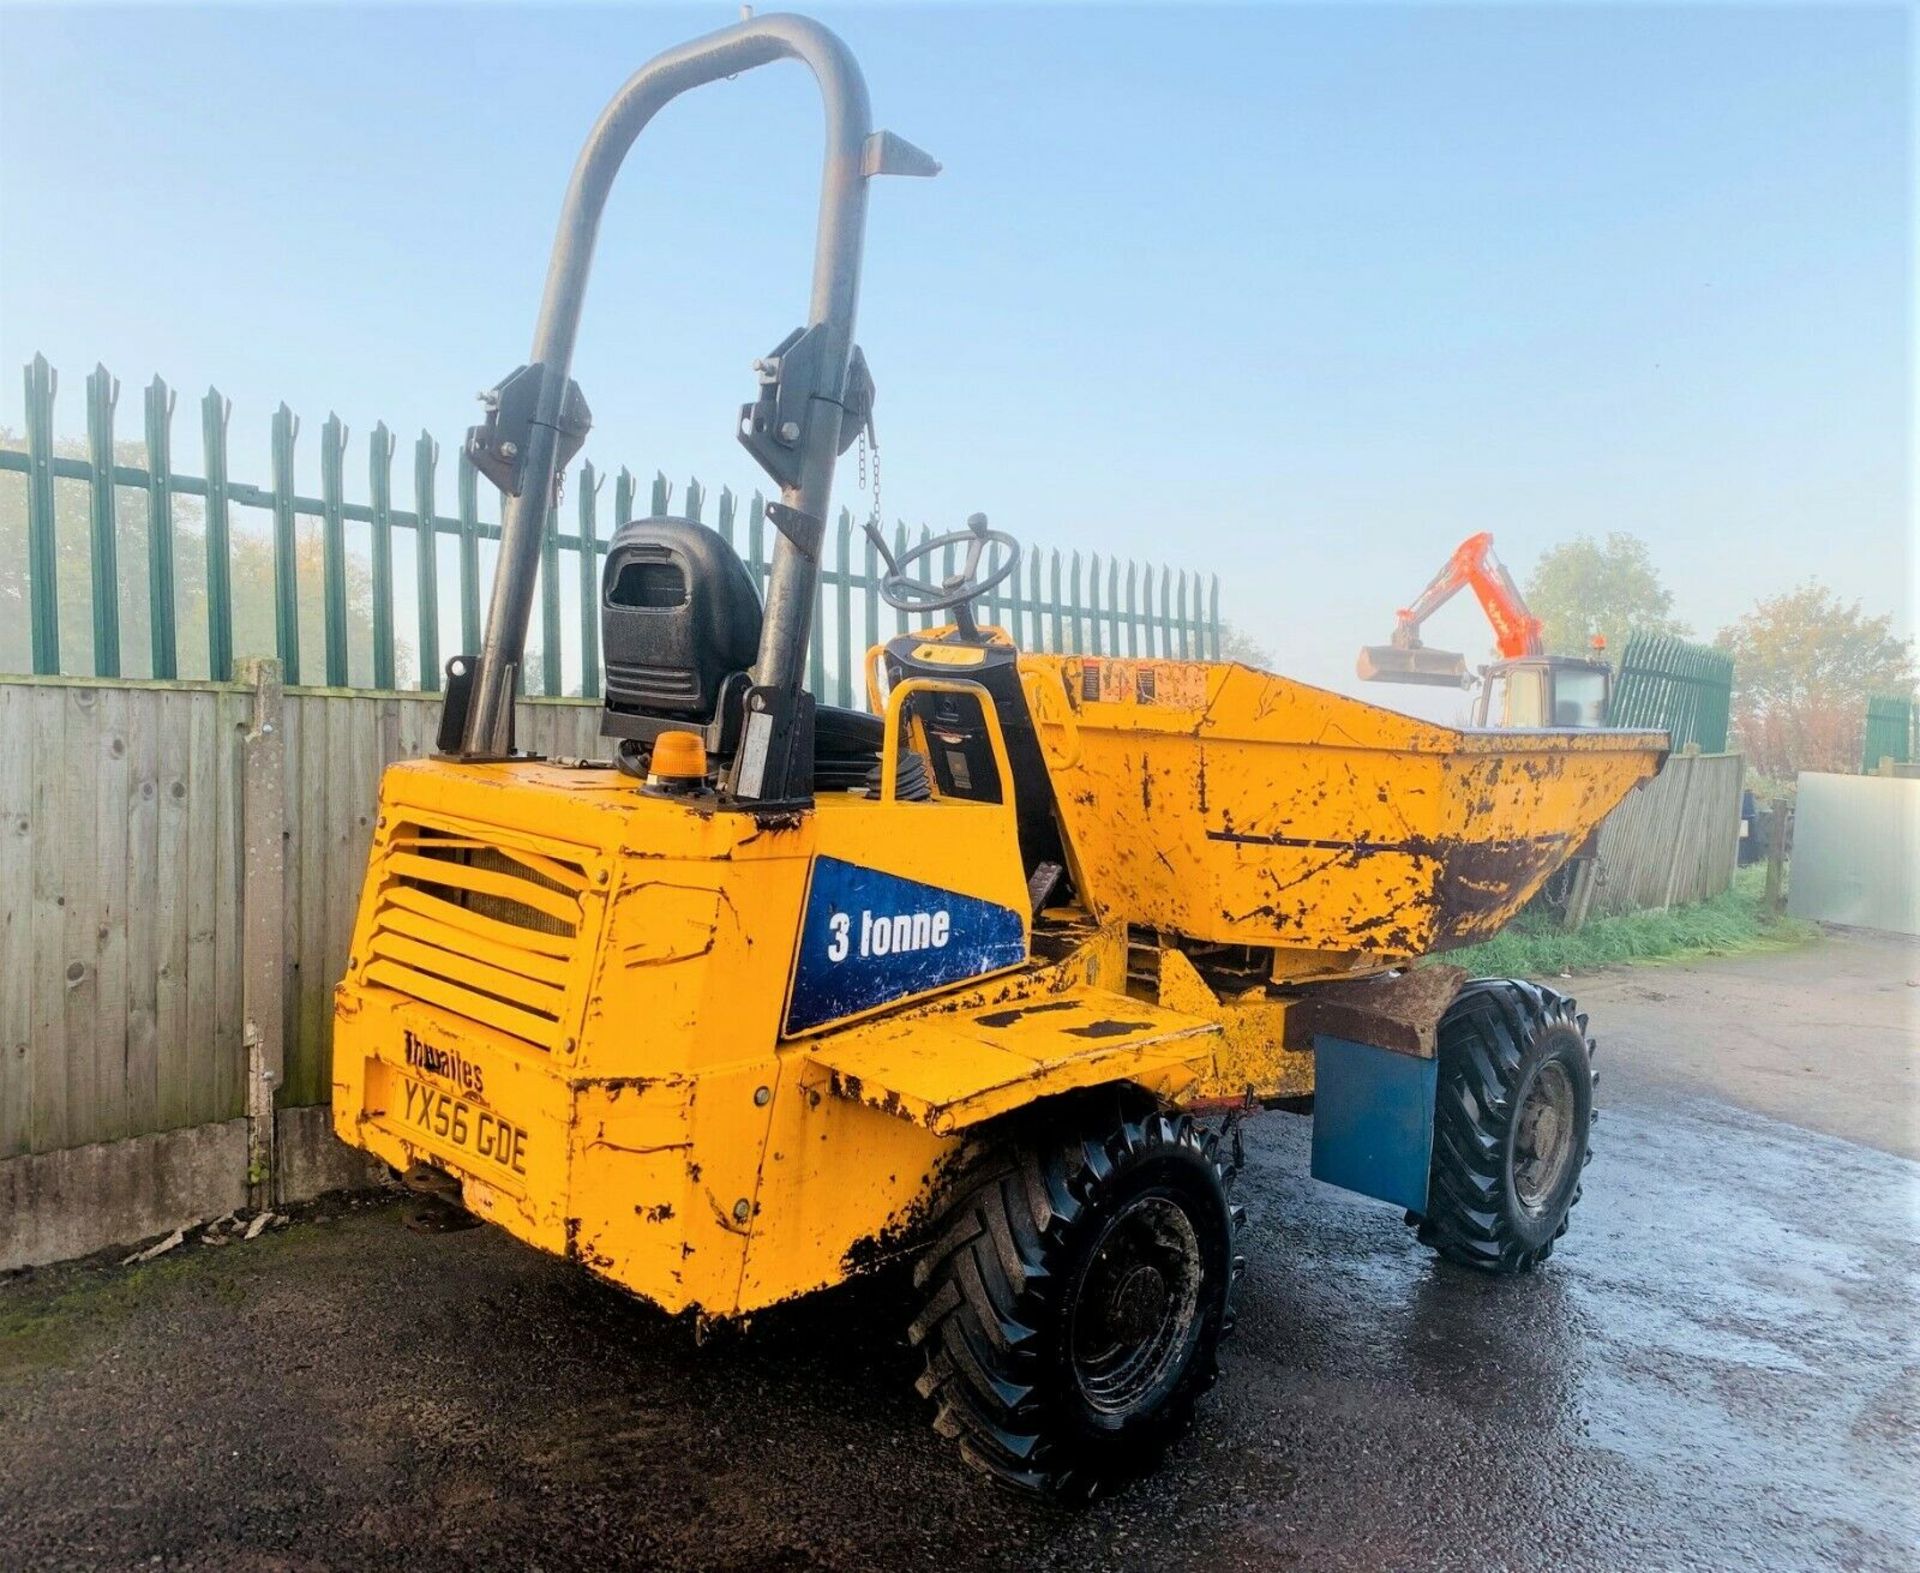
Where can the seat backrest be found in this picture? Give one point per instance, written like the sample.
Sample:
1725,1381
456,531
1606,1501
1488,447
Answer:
678,616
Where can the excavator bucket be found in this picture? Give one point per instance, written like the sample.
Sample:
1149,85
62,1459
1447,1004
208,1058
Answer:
1386,663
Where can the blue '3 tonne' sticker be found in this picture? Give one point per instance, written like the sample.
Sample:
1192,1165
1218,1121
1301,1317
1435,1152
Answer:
870,937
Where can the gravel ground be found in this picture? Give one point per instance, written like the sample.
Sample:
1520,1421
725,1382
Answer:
1719,1369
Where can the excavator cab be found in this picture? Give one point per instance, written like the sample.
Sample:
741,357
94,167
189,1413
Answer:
1545,691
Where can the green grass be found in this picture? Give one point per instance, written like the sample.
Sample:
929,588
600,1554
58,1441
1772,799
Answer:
1737,921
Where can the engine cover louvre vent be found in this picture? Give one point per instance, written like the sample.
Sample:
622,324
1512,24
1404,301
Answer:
484,929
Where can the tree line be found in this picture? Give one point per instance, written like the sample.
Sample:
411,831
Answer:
1804,660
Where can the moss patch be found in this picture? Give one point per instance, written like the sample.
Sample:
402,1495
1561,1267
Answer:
51,1317
51,1320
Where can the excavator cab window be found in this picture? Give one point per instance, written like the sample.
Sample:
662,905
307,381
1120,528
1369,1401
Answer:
1519,697
1580,697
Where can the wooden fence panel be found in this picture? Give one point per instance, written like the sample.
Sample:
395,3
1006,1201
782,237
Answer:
17,816
118,897
120,878
1673,841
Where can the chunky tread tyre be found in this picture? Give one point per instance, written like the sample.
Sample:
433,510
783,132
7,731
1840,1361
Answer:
998,1283
1494,1040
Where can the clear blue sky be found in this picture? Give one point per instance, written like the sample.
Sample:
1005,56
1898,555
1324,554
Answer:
1300,294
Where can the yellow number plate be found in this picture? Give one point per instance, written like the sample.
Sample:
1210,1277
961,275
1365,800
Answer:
453,1122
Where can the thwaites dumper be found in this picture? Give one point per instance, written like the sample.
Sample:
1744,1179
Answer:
986,975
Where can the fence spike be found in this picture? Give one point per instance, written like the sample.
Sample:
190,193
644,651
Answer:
1054,608
103,396
817,637
215,413
163,630
333,546
899,551
843,609
43,546
870,582
757,541
1093,601
380,495
469,489
623,489
426,458
947,567
590,484
286,563
550,684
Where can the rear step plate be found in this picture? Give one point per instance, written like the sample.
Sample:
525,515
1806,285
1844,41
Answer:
948,1069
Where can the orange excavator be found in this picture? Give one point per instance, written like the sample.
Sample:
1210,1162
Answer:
1533,689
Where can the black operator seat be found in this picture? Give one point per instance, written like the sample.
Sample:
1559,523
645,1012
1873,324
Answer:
680,624
679,618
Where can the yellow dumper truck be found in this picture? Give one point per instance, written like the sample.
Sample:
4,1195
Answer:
984,977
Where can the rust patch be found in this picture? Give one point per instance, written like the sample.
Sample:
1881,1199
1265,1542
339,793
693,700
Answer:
1400,1011
914,1225
1107,1029
614,1086
1478,879
1006,1018
776,820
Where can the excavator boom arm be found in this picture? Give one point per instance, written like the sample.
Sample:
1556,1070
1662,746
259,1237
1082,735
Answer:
1516,631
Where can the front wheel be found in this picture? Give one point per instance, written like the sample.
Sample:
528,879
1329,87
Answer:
1512,1114
1074,1300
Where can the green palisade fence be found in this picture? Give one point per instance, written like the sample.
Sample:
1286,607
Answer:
1091,604
1889,734
1687,689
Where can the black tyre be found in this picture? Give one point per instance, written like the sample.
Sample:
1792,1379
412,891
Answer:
1074,1299
1511,1123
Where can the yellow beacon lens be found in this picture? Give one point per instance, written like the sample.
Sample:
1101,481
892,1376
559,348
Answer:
679,760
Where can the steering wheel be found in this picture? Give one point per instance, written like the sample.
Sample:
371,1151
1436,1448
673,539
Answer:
901,590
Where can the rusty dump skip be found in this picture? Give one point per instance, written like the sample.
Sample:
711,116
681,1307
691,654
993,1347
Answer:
1222,804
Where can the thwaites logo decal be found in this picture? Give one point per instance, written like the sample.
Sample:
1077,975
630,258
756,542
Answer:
870,937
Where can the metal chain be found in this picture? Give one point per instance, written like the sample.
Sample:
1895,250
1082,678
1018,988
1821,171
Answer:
867,438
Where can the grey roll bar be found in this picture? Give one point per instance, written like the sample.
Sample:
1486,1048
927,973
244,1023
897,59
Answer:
809,389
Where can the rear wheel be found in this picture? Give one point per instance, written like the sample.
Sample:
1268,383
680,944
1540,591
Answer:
1074,1300
1511,1120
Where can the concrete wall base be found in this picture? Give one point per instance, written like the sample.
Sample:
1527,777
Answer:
313,1161
59,1205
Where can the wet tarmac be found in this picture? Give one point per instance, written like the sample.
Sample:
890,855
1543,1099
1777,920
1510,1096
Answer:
1719,1370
